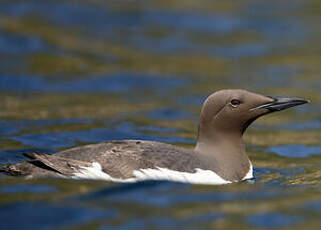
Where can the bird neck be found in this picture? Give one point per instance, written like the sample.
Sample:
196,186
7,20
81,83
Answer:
225,153
221,144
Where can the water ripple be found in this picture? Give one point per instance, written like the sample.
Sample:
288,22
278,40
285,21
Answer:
295,151
30,216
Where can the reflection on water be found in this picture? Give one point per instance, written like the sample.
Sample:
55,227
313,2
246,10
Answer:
79,72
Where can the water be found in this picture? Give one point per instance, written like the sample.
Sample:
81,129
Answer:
74,73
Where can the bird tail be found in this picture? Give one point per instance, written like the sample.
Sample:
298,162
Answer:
19,169
11,170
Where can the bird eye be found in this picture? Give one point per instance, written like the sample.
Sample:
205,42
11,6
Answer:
235,103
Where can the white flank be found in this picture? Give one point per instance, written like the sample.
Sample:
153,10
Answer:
249,174
199,177
96,173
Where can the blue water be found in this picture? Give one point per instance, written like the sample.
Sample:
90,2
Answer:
116,83
273,220
46,216
296,151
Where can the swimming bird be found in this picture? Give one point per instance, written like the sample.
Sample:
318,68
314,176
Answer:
219,156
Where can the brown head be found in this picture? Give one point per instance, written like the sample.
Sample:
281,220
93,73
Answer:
225,116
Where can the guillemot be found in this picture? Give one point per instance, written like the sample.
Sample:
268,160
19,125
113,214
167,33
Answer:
219,156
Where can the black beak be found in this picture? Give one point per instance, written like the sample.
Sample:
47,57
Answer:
281,103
